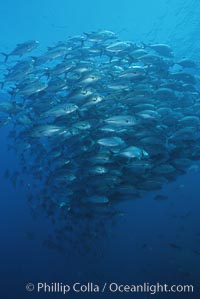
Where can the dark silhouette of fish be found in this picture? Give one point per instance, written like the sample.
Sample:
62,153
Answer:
175,246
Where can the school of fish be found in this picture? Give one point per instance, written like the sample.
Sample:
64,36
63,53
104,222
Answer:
99,120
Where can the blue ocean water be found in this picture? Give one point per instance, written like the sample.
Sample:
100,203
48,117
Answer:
136,247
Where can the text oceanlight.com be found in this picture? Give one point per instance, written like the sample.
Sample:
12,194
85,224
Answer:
112,287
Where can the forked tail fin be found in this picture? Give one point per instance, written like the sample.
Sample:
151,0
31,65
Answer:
6,56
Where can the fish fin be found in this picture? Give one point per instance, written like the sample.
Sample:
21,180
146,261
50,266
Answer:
47,73
144,45
2,84
6,56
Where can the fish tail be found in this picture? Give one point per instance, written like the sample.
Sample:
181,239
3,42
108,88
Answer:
144,45
47,73
1,84
6,56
